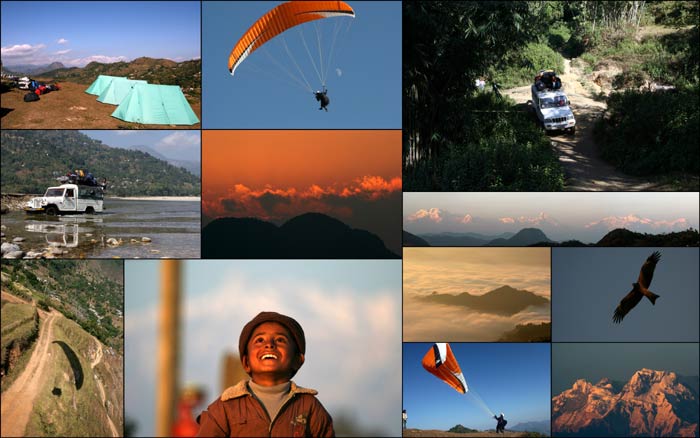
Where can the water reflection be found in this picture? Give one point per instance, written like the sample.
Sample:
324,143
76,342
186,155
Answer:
57,234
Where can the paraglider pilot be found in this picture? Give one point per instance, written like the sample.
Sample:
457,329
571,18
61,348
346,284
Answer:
322,97
501,426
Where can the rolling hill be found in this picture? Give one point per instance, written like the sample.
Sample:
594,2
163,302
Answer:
187,74
310,235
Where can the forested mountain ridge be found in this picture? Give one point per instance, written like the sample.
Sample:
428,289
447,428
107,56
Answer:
31,161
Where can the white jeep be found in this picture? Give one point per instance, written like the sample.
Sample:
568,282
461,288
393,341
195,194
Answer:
68,199
553,110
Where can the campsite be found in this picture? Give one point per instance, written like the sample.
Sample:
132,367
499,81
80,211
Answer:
70,108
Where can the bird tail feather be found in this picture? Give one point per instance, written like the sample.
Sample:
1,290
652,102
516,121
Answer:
652,297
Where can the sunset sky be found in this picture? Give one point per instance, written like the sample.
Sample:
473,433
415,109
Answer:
473,270
562,216
354,176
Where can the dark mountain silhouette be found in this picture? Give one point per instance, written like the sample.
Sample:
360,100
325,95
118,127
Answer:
413,240
651,403
307,236
624,237
502,301
463,239
524,237
529,333
462,429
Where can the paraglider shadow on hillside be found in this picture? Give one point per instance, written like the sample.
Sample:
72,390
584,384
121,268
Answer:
74,363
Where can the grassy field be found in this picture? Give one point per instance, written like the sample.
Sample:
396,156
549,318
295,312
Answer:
69,108
20,329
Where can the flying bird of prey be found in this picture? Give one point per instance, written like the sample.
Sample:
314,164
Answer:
639,289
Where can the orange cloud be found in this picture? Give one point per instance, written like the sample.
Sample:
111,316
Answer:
270,203
434,214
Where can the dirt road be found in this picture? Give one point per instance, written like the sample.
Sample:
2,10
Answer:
69,108
579,153
18,400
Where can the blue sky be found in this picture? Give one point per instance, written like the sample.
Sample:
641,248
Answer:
350,312
76,33
588,284
176,145
364,75
561,216
618,361
509,378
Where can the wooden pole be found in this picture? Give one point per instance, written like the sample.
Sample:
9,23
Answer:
168,347
232,370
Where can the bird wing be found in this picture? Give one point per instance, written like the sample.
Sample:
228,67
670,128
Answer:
627,304
647,271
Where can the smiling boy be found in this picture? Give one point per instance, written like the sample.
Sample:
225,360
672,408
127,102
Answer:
271,348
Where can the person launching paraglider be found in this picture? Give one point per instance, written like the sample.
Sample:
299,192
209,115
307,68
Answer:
322,97
501,426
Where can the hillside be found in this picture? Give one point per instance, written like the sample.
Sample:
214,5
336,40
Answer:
187,74
31,160
529,333
66,383
310,235
89,292
624,237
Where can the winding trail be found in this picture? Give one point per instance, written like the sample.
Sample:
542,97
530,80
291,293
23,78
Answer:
579,154
18,399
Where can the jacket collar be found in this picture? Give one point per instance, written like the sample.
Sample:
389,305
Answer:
241,389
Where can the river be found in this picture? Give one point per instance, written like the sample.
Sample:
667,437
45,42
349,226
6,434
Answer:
173,227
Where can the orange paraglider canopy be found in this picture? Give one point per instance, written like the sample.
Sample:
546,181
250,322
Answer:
440,361
281,18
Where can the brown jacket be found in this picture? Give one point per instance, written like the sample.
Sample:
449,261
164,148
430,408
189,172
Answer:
239,414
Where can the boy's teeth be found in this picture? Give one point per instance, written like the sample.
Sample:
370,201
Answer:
269,356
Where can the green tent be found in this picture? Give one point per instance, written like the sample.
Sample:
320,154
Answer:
117,90
156,104
100,84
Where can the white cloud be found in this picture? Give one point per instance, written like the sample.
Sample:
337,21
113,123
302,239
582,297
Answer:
125,132
178,140
62,41
62,52
20,52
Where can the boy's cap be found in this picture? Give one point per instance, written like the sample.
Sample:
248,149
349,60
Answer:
290,323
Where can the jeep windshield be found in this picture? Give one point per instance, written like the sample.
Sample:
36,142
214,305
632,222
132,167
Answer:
54,192
553,102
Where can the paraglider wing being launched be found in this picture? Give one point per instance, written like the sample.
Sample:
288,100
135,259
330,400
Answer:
440,362
281,18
